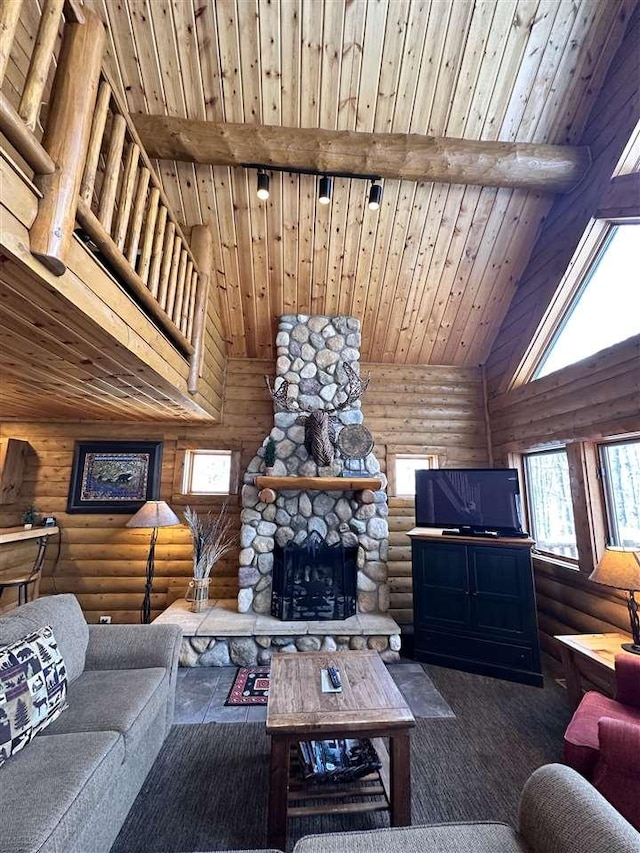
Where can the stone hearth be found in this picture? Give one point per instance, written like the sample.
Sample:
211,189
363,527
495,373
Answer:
220,636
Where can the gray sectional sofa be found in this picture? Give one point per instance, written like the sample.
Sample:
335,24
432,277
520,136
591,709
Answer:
69,790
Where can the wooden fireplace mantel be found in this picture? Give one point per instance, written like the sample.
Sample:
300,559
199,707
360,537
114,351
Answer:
321,484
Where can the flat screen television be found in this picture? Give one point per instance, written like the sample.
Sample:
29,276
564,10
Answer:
476,501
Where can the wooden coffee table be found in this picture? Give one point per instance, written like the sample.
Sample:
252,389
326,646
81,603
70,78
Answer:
370,706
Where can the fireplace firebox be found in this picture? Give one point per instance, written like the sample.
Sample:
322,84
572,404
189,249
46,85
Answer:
314,580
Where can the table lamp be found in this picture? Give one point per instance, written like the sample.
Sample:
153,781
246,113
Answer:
152,514
620,568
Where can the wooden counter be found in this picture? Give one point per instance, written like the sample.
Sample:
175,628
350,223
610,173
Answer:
19,534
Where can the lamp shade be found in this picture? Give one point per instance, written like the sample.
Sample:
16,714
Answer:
618,568
154,514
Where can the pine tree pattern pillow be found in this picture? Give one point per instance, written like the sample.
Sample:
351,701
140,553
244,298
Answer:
33,689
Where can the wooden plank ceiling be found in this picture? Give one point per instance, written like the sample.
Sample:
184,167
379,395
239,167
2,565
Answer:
432,272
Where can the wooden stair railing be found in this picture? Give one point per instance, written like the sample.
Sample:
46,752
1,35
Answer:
124,210
91,167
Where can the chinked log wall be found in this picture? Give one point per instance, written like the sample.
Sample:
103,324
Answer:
427,409
594,398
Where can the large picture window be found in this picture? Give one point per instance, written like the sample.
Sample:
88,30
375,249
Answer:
620,467
605,308
549,503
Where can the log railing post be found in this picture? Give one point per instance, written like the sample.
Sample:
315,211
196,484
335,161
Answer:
9,15
112,172
202,249
66,139
149,233
40,62
153,281
95,141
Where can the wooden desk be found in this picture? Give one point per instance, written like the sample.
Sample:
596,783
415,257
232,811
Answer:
370,706
590,658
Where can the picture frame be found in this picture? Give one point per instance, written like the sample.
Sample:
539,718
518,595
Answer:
114,476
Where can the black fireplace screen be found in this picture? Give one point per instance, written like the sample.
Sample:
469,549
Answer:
314,580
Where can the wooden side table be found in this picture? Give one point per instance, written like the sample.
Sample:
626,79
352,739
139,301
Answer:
370,706
589,660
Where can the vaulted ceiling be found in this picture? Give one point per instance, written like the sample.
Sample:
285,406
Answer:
431,273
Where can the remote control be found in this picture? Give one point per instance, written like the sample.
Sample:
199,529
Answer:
334,676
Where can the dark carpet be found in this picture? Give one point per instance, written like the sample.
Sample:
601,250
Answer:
208,787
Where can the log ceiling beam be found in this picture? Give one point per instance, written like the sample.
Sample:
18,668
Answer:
413,157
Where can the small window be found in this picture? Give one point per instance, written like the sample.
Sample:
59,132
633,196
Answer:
406,466
207,472
549,502
621,484
606,307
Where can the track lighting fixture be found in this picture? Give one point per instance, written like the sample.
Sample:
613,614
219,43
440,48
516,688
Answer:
324,195
325,182
375,196
263,185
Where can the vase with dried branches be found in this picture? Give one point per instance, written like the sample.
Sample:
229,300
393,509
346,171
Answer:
212,539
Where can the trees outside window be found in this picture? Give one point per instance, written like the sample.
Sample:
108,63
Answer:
620,468
549,502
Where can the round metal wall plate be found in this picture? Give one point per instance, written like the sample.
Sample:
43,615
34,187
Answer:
355,441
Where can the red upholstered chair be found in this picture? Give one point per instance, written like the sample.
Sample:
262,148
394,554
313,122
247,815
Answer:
602,740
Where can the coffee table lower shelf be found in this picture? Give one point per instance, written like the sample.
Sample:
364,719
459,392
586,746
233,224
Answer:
370,793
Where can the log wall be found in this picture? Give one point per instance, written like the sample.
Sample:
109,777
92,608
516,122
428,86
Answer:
595,398
432,409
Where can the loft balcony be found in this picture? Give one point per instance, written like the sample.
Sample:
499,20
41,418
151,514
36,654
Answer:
105,301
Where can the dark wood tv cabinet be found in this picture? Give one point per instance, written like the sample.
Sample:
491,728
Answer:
474,605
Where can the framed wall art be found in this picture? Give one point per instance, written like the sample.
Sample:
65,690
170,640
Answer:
114,476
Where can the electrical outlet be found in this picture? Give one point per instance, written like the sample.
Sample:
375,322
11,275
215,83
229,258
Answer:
105,620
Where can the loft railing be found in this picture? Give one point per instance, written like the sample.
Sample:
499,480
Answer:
18,123
123,209
91,168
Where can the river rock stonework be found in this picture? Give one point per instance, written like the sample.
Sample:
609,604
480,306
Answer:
311,354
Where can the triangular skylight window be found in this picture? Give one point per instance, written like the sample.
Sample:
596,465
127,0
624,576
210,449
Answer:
606,307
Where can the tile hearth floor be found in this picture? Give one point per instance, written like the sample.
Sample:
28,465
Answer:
201,693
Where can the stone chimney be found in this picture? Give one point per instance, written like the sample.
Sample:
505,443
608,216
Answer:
311,353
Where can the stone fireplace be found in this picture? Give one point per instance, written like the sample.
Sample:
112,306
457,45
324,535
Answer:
314,545
311,356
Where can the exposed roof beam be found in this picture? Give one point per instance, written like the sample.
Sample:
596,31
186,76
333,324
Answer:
550,168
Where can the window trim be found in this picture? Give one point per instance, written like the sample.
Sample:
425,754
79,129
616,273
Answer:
572,563
583,281
407,450
604,491
183,497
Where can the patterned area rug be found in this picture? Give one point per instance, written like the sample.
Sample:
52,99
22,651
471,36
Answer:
251,686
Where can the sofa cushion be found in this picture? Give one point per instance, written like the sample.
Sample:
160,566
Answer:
49,791
581,745
436,838
33,689
122,700
63,614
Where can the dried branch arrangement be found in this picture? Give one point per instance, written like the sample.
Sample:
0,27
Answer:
212,539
